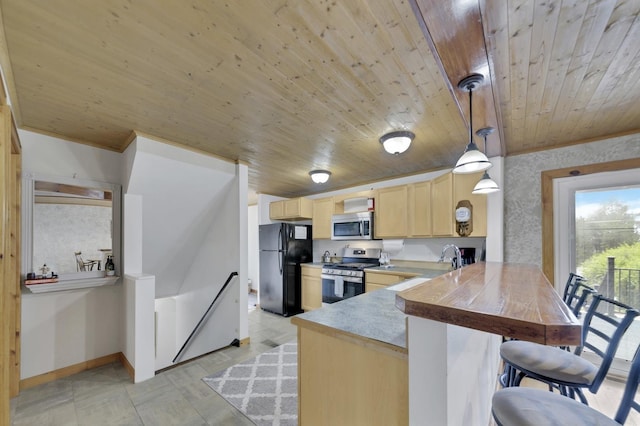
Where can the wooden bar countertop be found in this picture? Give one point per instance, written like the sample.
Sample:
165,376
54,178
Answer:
512,300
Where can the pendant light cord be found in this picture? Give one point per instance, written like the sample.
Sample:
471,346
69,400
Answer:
470,87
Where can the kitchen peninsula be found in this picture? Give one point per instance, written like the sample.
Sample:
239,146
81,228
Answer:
364,361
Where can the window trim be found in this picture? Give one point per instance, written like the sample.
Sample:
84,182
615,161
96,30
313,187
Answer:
547,178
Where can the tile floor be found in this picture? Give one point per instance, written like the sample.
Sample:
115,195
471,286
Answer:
178,396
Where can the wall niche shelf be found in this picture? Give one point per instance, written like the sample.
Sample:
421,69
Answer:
72,284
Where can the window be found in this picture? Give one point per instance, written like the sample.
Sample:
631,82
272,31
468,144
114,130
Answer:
64,216
596,234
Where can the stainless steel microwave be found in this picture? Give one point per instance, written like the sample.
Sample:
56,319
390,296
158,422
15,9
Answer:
352,226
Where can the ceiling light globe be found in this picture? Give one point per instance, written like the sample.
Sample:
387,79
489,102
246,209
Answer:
486,185
320,176
397,142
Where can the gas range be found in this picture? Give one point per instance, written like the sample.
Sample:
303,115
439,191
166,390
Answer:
353,262
344,280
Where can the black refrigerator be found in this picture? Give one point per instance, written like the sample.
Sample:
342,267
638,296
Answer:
283,247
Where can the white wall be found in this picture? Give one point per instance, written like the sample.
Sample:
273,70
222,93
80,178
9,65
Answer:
177,240
194,232
65,328
253,270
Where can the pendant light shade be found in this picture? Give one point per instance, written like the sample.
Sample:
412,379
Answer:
319,176
485,185
472,160
397,142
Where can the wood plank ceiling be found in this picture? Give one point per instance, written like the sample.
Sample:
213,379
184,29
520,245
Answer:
288,87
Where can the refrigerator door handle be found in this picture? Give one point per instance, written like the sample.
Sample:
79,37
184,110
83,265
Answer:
280,250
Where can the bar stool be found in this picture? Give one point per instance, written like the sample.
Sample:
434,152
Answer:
566,371
576,294
534,407
570,288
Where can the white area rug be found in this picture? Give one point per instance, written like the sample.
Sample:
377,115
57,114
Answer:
264,388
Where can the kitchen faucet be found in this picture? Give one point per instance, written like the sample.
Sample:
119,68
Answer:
455,248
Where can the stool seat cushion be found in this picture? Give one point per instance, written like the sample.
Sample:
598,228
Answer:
534,407
548,361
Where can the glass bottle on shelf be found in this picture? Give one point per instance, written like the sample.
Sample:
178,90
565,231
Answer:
109,266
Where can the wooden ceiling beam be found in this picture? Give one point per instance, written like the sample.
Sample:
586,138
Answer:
456,36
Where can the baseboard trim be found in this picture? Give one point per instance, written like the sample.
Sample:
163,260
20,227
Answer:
71,370
127,366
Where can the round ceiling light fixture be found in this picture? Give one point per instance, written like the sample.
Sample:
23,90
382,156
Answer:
397,142
472,160
319,176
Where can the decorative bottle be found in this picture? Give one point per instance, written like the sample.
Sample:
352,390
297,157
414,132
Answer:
109,266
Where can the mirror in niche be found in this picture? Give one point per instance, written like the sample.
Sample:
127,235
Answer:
72,228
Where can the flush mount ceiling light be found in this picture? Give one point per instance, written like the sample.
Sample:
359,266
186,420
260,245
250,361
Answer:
485,185
397,142
472,160
319,176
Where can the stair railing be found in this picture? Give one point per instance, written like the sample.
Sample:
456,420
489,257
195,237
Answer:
195,329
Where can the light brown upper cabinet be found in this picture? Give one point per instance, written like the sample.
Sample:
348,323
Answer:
293,209
420,209
442,205
449,189
391,212
323,209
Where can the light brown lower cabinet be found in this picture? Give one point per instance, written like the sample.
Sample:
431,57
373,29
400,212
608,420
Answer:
346,380
377,280
311,288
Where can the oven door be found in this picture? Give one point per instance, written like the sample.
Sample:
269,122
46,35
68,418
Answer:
337,287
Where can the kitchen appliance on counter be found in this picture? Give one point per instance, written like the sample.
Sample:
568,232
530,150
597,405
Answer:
468,256
346,279
352,226
283,247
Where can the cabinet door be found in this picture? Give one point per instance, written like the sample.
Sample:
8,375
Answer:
420,209
391,212
292,207
322,212
462,187
276,210
375,281
311,289
442,205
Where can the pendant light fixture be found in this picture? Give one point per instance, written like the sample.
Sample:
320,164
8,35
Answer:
472,160
397,142
319,176
485,185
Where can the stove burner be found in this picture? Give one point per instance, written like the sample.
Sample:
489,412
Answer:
353,265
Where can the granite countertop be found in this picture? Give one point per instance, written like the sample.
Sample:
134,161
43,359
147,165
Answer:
425,272
370,315
373,315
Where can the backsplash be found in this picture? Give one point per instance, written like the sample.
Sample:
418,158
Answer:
424,250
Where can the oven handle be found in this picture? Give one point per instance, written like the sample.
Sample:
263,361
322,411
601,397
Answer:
361,228
345,279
